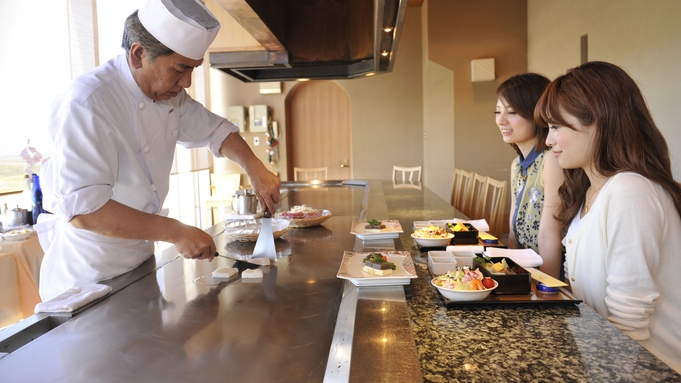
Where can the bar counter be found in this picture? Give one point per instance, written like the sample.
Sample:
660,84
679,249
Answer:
166,322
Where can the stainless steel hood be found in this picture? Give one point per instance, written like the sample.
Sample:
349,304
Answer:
313,39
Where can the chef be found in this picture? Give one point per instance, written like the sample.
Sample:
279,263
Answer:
114,132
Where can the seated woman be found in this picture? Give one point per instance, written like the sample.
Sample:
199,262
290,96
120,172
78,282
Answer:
535,177
620,203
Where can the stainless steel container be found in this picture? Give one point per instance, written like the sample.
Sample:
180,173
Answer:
245,202
17,217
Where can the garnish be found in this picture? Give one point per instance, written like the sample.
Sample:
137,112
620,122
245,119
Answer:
378,258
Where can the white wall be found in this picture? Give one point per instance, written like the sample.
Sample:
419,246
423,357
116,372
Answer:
641,36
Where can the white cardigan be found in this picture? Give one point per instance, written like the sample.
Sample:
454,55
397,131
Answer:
624,261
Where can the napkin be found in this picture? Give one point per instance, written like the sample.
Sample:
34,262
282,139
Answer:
523,257
477,249
73,298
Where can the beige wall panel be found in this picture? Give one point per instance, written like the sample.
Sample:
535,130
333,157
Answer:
643,37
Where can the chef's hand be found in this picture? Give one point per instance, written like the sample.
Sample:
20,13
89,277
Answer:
194,243
266,186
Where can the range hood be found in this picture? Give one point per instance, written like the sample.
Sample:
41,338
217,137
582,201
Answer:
313,39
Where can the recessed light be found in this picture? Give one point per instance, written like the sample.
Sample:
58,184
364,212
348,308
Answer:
385,53
387,29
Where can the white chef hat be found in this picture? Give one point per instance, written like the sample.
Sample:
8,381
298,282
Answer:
185,26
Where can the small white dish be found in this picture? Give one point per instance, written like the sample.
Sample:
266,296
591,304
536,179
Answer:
439,266
464,295
464,258
17,235
352,264
391,230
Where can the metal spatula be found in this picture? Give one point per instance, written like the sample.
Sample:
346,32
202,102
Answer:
264,246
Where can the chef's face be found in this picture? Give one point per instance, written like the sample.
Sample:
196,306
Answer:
571,144
164,77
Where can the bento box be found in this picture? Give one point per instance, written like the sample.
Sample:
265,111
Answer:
514,280
464,237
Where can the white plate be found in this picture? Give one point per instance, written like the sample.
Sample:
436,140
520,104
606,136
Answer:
392,229
351,269
16,237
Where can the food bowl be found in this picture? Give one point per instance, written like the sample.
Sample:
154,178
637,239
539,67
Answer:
464,295
434,242
17,235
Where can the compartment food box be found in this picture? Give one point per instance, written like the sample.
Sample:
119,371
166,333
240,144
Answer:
518,283
469,237
441,262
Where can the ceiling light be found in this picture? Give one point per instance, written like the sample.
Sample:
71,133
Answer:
385,53
387,29
302,79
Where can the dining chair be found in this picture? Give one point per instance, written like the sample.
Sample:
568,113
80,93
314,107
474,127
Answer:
307,174
407,171
222,188
495,202
477,196
460,186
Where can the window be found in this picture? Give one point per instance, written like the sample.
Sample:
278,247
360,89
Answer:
43,45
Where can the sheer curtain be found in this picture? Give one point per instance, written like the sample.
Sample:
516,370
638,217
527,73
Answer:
44,44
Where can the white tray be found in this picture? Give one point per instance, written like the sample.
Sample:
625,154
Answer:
351,269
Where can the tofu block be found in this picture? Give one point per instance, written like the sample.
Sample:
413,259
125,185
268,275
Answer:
225,272
251,273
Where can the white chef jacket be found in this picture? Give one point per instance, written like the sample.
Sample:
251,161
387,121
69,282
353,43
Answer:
111,142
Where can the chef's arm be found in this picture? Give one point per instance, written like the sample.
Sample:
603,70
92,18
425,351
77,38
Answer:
265,183
117,220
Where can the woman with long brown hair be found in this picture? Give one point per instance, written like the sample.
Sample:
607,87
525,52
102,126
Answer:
620,203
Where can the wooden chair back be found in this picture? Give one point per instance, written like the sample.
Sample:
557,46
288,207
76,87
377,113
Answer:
493,207
407,171
460,188
475,200
307,174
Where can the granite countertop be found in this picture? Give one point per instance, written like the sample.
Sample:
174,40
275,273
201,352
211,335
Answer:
511,343
570,343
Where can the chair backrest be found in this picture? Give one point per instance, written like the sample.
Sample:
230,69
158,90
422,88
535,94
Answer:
460,186
224,184
307,174
475,201
407,171
495,202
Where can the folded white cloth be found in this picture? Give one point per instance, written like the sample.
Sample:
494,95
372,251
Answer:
465,248
523,257
73,298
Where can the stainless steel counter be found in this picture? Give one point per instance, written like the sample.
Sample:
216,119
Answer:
303,324
163,323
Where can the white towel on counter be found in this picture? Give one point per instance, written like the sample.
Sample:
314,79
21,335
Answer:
73,298
523,257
